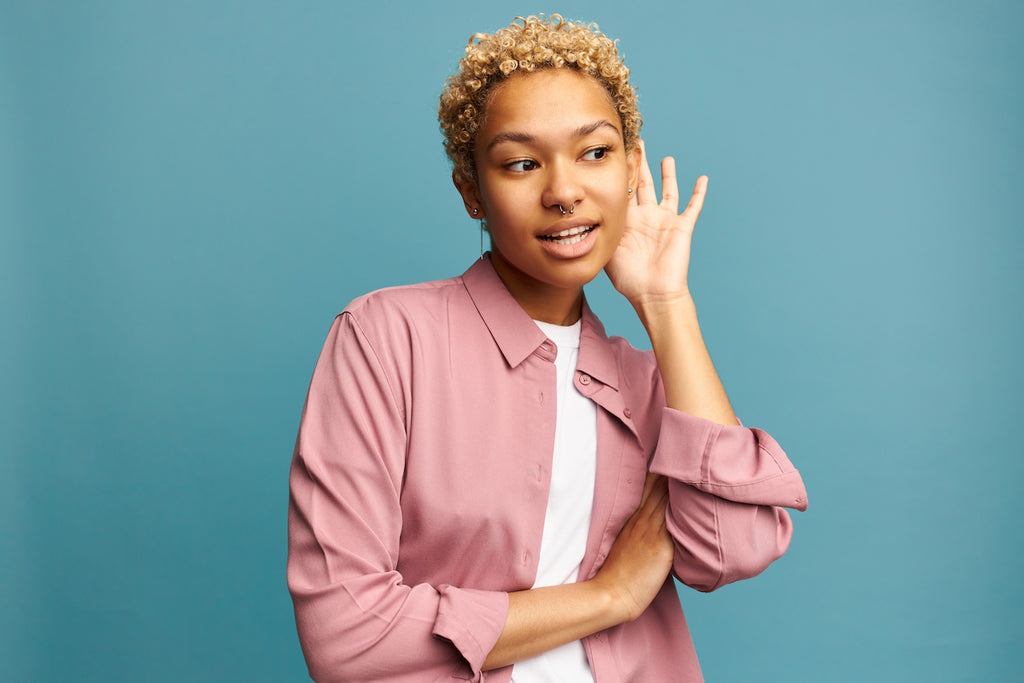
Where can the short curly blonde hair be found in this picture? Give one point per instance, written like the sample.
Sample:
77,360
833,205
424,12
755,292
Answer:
528,45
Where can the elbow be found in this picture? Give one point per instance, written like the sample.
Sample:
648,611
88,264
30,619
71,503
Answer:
339,640
327,667
321,670
741,549
393,640
327,646
335,653
755,548
321,666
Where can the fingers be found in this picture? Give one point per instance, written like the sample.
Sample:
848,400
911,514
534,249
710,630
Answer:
651,484
669,186
657,503
655,496
696,203
646,193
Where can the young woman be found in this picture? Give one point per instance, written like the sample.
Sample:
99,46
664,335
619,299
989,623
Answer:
485,485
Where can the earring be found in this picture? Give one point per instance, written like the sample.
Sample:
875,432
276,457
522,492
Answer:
629,190
475,211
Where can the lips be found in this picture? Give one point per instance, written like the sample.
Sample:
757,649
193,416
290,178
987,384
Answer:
569,235
570,238
568,230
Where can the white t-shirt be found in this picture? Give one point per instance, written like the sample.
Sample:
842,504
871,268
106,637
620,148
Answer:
570,503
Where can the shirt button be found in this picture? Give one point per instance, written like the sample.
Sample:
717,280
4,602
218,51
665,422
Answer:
627,412
584,379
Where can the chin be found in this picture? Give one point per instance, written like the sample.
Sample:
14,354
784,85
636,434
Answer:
578,274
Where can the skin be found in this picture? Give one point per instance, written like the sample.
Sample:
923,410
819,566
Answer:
552,138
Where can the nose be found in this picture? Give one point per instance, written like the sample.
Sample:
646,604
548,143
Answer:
563,190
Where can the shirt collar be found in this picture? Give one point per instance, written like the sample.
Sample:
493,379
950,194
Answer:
596,356
516,334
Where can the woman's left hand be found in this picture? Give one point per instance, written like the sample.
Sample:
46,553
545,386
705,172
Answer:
652,260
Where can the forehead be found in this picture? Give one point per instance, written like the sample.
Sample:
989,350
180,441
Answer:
546,102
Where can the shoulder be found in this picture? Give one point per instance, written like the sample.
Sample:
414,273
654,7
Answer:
388,329
421,321
416,305
396,298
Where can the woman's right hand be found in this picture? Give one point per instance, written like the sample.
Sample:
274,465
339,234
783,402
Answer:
541,619
641,557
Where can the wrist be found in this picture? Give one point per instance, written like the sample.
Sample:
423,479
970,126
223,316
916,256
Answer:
614,604
666,312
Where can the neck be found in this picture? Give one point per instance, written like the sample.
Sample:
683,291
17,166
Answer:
541,301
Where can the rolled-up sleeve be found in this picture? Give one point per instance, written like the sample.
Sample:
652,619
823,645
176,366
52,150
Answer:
356,617
728,486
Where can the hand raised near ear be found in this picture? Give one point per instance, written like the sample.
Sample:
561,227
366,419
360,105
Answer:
652,260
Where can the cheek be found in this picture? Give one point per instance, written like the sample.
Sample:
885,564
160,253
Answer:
501,200
509,207
618,206
502,221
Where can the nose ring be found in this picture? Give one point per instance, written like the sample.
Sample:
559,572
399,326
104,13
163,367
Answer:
571,211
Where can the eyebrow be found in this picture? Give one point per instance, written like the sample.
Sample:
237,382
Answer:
582,131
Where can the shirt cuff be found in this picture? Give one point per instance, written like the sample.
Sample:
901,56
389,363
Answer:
732,462
472,620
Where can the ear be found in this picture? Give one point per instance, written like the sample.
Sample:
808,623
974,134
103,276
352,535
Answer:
470,196
633,162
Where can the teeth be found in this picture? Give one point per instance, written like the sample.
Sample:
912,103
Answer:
570,236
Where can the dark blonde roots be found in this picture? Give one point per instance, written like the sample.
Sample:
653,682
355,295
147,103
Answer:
528,45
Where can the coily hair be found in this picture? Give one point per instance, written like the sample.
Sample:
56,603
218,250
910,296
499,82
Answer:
528,45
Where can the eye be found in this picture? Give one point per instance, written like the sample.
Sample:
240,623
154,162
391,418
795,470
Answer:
596,154
522,165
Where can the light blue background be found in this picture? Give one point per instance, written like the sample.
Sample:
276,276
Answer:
190,191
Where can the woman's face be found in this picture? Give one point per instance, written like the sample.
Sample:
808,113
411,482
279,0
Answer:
551,139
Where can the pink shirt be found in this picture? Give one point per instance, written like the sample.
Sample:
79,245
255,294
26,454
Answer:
421,473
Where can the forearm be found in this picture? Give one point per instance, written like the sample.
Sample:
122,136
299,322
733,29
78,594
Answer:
635,570
542,619
689,377
728,486
718,541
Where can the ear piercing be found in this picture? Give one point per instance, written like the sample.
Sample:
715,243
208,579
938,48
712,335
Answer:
476,211
572,209
629,190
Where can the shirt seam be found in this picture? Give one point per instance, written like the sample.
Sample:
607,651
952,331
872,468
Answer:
719,546
708,482
771,455
380,365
